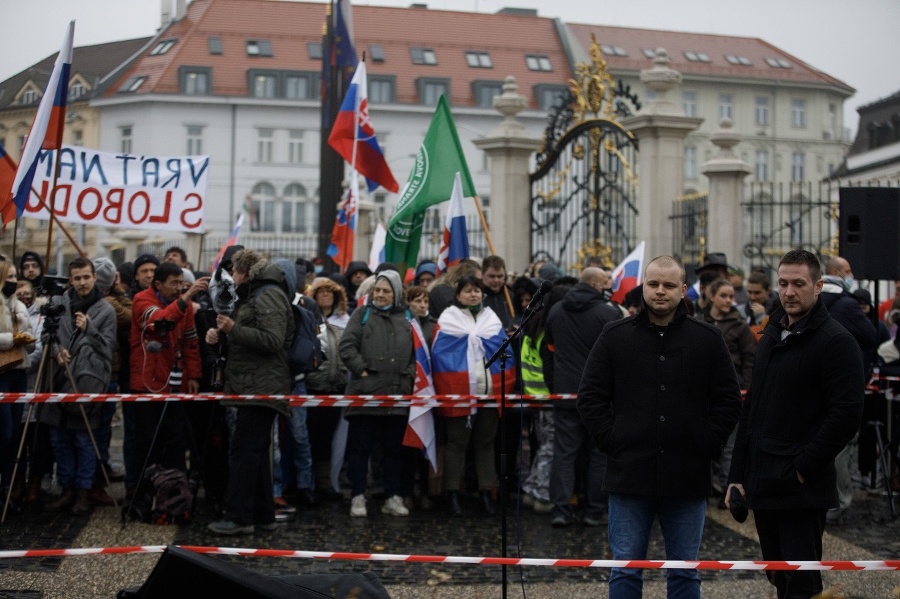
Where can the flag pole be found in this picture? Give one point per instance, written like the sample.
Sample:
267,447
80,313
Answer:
487,235
55,219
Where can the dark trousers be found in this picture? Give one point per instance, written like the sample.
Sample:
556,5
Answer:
169,447
361,437
792,535
250,487
571,440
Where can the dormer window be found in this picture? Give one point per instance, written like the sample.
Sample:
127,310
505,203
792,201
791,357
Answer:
162,47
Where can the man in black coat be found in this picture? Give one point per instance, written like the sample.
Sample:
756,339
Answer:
660,397
804,405
573,326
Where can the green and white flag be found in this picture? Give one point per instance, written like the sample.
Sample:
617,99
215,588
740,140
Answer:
431,182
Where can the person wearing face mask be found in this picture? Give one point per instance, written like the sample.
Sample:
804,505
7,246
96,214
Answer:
467,334
377,349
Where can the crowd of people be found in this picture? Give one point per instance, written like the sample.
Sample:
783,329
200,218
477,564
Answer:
653,434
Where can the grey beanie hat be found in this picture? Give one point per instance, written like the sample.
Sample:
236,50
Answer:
106,273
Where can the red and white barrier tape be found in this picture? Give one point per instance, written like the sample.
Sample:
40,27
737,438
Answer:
458,559
443,401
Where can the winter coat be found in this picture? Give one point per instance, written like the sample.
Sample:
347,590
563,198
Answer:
14,319
256,346
380,343
660,406
331,376
804,405
740,340
845,309
91,361
573,326
497,302
150,370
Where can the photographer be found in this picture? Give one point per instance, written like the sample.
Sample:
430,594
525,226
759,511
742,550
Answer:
165,358
87,336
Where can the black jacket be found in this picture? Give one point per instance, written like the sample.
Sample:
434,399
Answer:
741,342
844,308
573,326
497,303
804,405
660,406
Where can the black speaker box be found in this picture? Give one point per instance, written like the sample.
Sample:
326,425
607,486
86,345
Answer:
180,573
870,231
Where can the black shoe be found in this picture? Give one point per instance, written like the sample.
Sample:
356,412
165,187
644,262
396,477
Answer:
64,501
306,498
560,521
453,503
487,504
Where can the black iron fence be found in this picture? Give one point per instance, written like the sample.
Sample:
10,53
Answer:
689,227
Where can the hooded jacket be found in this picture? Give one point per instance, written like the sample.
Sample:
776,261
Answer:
844,308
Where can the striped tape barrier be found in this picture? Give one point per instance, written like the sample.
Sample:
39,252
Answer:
459,559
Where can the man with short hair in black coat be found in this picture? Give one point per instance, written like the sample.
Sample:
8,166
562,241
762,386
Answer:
804,405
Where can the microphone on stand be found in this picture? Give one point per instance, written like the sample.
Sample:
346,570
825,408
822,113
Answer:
546,286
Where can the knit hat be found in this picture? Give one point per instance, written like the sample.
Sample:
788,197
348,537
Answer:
549,272
31,257
126,273
426,266
144,259
106,274
188,276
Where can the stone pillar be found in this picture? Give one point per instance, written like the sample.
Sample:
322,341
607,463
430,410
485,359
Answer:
192,244
509,148
132,237
726,174
661,128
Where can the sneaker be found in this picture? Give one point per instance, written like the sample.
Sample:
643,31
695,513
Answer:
593,520
394,506
542,507
358,507
229,528
527,500
560,521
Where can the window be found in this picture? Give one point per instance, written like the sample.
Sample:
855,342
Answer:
295,146
798,166
762,111
29,96
314,49
195,81
300,86
215,45
262,208
381,89
798,113
697,56
484,92
690,162
264,145
831,124
547,95
376,52
738,60
423,56
614,50
132,84
726,106
125,140
78,138
538,62
430,90
478,60
762,165
689,103
259,48
76,90
778,63
162,47
264,86
194,140
649,52
22,140
295,210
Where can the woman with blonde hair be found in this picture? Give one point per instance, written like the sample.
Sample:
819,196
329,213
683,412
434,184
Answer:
331,298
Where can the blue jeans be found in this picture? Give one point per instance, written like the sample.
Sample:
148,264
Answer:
302,449
75,459
630,521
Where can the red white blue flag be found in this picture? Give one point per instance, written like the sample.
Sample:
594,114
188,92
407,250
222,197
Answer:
627,275
7,176
353,136
343,235
420,426
455,243
47,128
232,240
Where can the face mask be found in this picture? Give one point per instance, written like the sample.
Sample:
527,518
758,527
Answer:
318,269
848,282
9,289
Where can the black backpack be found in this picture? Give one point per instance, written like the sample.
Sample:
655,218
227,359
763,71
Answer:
305,354
165,497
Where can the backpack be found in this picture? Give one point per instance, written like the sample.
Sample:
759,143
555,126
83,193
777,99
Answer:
305,354
165,498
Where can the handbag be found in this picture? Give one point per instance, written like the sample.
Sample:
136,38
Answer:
13,357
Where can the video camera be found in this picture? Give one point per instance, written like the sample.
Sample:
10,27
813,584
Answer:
52,286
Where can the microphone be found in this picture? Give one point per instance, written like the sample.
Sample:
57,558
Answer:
154,347
546,286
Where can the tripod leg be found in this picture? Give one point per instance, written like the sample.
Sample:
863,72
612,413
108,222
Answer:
140,482
16,463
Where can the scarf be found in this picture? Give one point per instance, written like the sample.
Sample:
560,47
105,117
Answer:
82,304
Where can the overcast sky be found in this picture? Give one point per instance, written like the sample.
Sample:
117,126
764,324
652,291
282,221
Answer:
844,38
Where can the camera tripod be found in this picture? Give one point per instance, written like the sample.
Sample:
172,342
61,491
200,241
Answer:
44,380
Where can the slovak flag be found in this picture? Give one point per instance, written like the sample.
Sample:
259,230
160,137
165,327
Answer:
343,235
693,292
420,426
455,244
232,240
47,128
353,136
7,176
627,275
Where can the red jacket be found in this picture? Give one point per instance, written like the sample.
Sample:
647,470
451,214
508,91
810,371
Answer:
150,370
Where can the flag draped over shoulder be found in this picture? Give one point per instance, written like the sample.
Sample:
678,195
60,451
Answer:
627,275
7,176
455,241
343,235
431,182
353,136
232,240
47,128
420,426
461,346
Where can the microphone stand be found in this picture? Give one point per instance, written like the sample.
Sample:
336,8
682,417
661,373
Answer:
501,355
